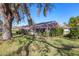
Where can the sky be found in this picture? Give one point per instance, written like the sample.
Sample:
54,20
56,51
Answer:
61,13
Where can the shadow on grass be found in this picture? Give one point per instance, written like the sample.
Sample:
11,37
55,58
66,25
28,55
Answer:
25,47
60,50
17,36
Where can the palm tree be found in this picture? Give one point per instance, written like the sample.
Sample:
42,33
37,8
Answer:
9,11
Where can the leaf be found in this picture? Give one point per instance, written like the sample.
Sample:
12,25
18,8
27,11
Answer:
38,11
39,7
45,11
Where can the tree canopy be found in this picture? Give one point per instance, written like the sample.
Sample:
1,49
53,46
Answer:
74,21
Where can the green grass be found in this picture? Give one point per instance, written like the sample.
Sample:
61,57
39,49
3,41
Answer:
10,46
46,46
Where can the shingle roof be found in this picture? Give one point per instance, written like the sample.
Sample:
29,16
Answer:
50,24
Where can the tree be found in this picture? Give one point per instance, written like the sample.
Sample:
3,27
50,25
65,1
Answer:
72,22
77,20
74,27
9,11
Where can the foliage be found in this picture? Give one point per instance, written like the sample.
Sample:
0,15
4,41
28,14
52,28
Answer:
18,32
56,32
22,31
74,33
74,25
74,21
43,33
11,11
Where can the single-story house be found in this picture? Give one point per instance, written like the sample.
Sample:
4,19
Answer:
40,27
66,29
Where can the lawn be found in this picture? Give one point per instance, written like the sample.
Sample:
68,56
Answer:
39,46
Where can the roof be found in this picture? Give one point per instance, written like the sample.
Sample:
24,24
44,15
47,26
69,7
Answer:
66,27
50,24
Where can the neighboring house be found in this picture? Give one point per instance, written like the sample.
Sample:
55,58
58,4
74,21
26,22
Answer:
44,25
40,27
66,29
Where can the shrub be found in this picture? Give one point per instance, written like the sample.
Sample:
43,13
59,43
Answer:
42,32
18,32
22,31
74,33
56,32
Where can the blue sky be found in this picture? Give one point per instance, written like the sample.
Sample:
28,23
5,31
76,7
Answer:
61,13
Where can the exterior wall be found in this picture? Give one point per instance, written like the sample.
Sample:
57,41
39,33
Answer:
40,27
66,31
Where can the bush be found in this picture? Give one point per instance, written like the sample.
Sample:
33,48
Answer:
56,32
42,32
74,33
22,31
18,32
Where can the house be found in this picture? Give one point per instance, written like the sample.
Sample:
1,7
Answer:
66,29
45,26
40,27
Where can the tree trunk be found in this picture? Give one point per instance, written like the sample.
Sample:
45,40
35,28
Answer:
7,32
